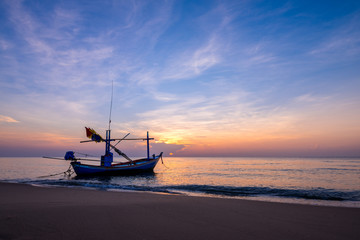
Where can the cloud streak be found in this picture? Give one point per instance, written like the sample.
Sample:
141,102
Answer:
7,119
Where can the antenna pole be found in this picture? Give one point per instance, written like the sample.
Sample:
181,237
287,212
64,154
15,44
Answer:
112,93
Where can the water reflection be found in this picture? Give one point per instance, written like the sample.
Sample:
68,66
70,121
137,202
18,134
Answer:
276,172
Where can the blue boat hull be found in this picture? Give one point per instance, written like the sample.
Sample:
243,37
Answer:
140,166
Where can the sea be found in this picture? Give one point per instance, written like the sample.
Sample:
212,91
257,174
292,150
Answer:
314,181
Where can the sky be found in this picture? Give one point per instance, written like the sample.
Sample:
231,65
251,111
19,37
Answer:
205,78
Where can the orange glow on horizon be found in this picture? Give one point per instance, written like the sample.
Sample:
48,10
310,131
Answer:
271,139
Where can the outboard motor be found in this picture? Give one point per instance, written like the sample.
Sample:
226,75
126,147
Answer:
69,156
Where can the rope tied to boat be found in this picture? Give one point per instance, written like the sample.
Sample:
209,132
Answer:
67,173
162,161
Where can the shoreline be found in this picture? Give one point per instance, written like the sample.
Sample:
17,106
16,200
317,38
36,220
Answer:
72,213
273,199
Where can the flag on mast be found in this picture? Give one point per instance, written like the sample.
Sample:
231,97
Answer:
93,135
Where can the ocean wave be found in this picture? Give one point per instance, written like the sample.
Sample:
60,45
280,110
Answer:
314,194
228,191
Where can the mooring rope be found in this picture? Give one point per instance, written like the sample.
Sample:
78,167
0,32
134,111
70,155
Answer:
68,173
162,161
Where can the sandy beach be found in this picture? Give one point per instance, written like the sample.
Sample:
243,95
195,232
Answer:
28,212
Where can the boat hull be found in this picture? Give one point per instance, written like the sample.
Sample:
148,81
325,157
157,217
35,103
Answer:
140,166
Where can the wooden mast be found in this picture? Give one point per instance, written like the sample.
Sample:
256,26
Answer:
148,148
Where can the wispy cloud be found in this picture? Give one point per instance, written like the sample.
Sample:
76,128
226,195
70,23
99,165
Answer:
193,62
51,45
204,58
310,98
5,45
152,28
194,58
344,40
197,117
7,119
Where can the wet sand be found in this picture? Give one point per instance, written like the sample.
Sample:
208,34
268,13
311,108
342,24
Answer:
28,212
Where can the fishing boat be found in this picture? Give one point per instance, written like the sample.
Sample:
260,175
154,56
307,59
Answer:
107,166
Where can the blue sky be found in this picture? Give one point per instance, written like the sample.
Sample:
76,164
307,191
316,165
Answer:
206,78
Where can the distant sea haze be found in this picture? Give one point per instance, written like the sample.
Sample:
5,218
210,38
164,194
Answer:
319,181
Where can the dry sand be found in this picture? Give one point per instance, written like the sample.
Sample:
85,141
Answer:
28,212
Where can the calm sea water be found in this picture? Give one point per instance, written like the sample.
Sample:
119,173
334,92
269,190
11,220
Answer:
319,181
